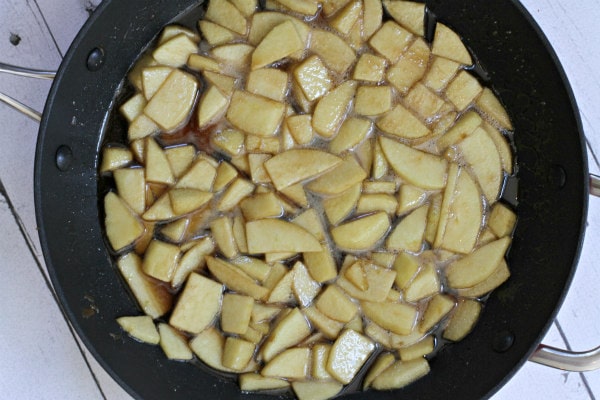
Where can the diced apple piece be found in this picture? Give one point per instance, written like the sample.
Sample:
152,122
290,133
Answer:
133,107
175,51
408,234
170,31
160,260
377,202
478,265
264,22
198,304
246,7
212,105
252,382
425,284
463,89
463,320
237,353
254,114
313,78
291,330
300,127
336,305
339,179
254,267
184,201
141,127
258,173
235,55
200,176
333,50
215,34
502,220
395,317
172,103
192,259
417,350
447,43
224,13
158,169
419,168
225,84
332,108
362,233
410,197
268,82
141,328
399,121
369,67
131,186
311,221
382,362
400,374
372,17
424,102
202,63
304,286
465,126
115,157
328,326
175,231
320,264
373,100
228,141
379,283
153,78
225,173
292,363
260,206
235,279
173,343
502,145
353,131
442,70
316,390
161,210
320,353
208,346
180,158
304,7
497,278
339,207
282,41
409,14
239,189
293,166
380,165
391,40
348,354
490,105
406,267
222,232
282,292
122,226
411,67
344,20
437,308
276,236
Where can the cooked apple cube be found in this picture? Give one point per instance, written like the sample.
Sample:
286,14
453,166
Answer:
158,169
254,267
447,43
141,127
215,34
239,189
235,55
237,353
184,201
212,106
320,353
332,108
268,82
175,51
175,231
180,158
424,102
173,343
170,31
370,68
277,236
305,7
160,210
316,390
300,127
372,17
419,168
382,362
442,70
373,100
198,304
502,220
293,166
333,303
339,207
353,131
141,328
313,78
200,176
425,284
222,232
332,50
339,179
379,187
291,330
246,7
401,373
292,363
252,382
463,320
282,292
264,22
362,233
305,288
406,266
254,114
131,186
409,198
260,206
377,202
497,278
348,354
224,175
437,308
391,40
328,326
224,13
229,141
122,226
208,345
395,317
344,20
399,121
171,105
408,234
192,259
321,264
160,260
411,67
133,107
380,166
409,14
478,265
282,41
235,279
153,78
115,157
463,90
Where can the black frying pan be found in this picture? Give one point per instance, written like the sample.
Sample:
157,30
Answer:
552,200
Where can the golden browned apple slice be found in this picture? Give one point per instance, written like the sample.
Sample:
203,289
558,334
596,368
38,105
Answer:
293,166
421,169
200,177
502,220
235,55
447,43
282,291
122,226
175,51
348,354
304,286
160,260
362,233
401,373
369,67
268,82
502,145
395,317
239,189
212,106
424,102
171,105
441,71
321,264
437,308
409,14
339,207
463,320
133,107
344,20
333,50
497,278
264,22
382,362
339,179
198,304
252,382
292,363
379,282
313,78
278,236
376,202
373,100
140,327
332,108
353,131
391,40
173,344
406,266
478,265
153,78
465,126
399,121
333,303
237,353
235,279
191,260
463,89
408,233
316,390
417,350
411,67
141,127
224,13
254,114
291,330
282,41
490,105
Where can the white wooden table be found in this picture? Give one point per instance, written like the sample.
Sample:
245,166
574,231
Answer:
41,357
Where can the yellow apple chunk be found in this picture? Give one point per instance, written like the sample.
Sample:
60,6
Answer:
235,279
333,50
140,327
224,13
290,331
256,115
399,121
379,282
173,343
212,106
348,354
391,40
463,320
252,382
395,317
339,207
382,362
362,233
339,179
292,363
293,166
447,43
332,108
175,51
282,41
417,350
400,374
437,308
198,304
160,260
408,234
278,236
490,105
409,14
497,278
316,390
122,226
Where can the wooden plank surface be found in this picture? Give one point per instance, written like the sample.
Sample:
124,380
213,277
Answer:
41,357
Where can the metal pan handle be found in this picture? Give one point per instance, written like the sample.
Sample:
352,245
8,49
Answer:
29,73
565,359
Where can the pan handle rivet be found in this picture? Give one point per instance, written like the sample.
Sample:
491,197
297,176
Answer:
503,341
64,157
95,59
558,176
